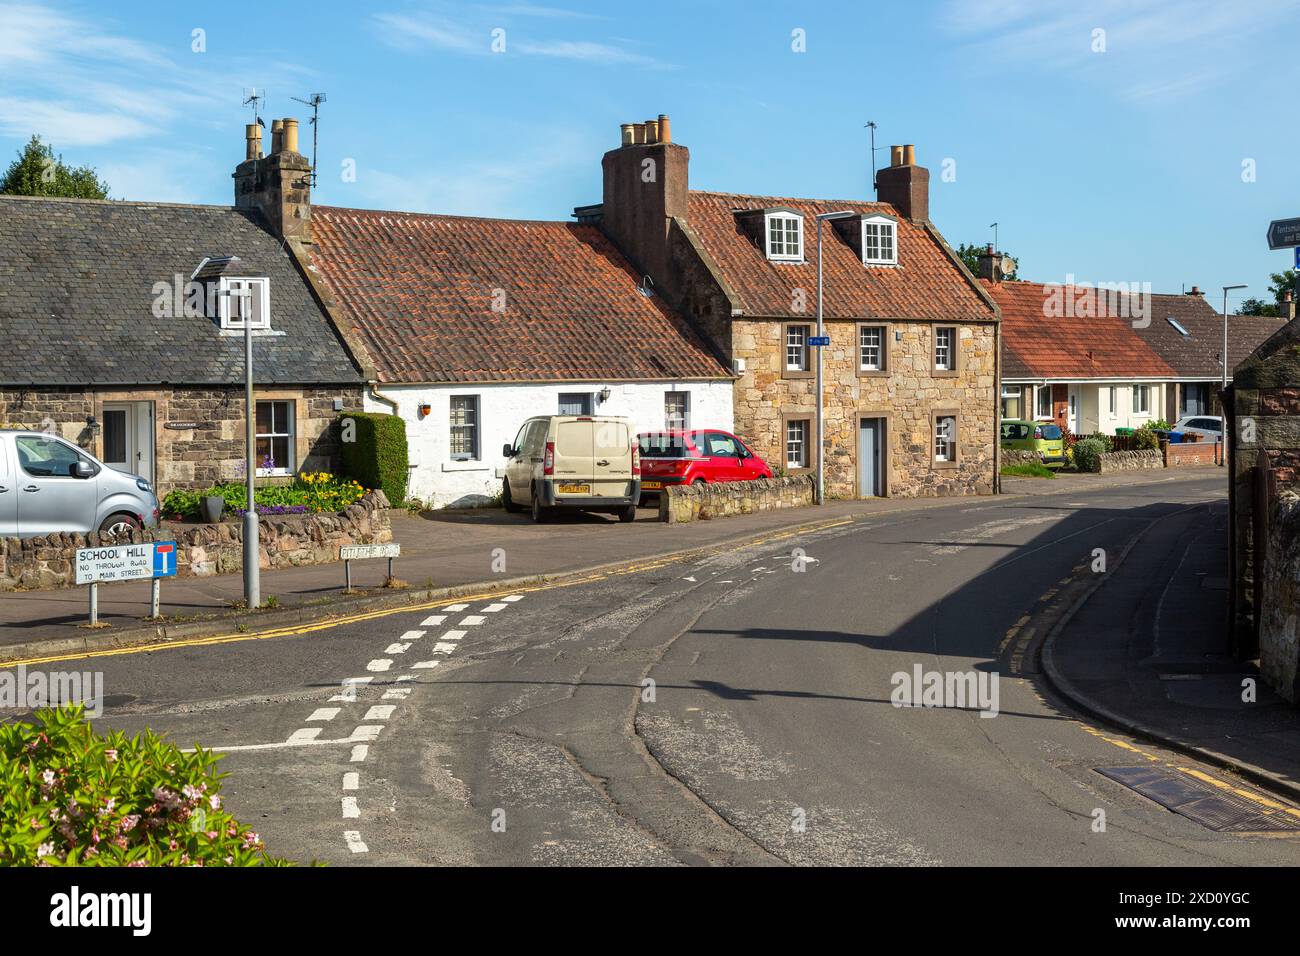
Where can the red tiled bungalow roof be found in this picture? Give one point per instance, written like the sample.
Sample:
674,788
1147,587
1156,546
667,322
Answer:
417,290
1038,343
926,283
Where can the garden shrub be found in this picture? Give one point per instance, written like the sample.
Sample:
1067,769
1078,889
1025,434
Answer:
376,455
1087,454
310,492
1146,438
69,796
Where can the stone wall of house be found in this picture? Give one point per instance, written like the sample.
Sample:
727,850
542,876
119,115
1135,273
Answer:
1113,461
1281,599
192,457
681,503
207,549
906,396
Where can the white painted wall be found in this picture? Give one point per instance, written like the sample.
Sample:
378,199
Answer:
439,481
1094,406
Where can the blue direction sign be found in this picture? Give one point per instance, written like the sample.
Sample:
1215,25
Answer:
816,340
1297,257
164,559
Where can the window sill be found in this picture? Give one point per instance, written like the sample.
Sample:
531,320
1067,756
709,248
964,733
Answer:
473,464
944,465
257,333
791,373
873,373
945,372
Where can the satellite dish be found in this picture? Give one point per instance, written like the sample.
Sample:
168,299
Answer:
1008,266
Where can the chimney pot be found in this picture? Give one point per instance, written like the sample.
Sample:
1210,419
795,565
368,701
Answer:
277,136
909,155
290,135
895,156
638,133
652,131
252,141
627,134
665,134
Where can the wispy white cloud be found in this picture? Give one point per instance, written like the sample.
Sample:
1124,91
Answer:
438,30
66,123
1153,49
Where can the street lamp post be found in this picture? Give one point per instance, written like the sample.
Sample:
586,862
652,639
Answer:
252,571
821,442
1223,392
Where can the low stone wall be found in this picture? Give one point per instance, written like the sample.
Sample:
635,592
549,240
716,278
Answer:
1280,606
680,503
1113,461
206,549
1183,454
1020,456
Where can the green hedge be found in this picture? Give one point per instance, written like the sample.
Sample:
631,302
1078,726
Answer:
374,452
1087,454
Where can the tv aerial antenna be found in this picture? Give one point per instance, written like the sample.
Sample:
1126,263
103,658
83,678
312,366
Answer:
871,125
314,101
255,98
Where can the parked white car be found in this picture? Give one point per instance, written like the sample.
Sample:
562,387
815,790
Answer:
48,485
1209,427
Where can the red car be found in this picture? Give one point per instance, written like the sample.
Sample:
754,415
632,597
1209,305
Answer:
694,457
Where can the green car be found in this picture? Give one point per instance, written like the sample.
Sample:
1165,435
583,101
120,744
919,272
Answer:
1042,437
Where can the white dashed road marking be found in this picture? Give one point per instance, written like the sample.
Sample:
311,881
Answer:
397,693
425,665
472,619
493,608
350,809
513,597
354,842
359,753
453,608
443,647
366,732
454,635
307,733
434,620
351,780
396,648
324,713
411,636
379,665
380,712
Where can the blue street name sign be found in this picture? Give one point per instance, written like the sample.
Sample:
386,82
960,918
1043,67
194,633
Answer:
816,340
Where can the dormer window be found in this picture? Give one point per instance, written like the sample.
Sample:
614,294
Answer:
784,237
879,241
241,301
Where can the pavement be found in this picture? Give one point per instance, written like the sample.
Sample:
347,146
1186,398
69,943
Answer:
1148,651
733,707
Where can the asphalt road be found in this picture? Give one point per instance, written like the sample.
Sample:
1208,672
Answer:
733,710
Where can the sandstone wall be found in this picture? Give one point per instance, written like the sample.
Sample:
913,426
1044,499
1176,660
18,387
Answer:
906,395
1280,606
284,541
1113,461
681,503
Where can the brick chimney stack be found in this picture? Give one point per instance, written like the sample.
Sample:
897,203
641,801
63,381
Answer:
645,187
278,185
990,264
905,185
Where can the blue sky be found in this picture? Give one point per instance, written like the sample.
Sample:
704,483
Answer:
1122,164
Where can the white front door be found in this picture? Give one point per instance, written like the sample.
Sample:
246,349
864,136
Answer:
1073,420
128,437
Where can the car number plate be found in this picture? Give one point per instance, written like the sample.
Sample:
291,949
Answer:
573,489
652,485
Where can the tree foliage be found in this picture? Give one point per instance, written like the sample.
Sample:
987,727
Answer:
970,254
38,172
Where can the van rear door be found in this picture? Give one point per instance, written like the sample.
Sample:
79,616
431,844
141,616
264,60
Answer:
612,449
574,444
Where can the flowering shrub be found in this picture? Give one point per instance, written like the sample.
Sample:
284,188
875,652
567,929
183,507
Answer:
313,492
71,797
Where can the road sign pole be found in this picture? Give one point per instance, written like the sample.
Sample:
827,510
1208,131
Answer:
154,600
347,575
94,603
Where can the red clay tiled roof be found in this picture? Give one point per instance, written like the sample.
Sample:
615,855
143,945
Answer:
1037,344
418,291
925,284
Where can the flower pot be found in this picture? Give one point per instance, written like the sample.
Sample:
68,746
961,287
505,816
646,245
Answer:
211,507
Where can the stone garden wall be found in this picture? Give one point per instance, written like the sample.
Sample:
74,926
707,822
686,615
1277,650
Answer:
1113,461
1280,604
681,503
205,549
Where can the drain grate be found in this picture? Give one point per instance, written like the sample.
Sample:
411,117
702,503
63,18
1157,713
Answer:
1215,809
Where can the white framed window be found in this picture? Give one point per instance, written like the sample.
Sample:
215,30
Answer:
784,236
945,438
1011,401
1043,401
275,438
879,241
796,443
871,348
944,339
233,306
464,421
677,410
796,348
1141,399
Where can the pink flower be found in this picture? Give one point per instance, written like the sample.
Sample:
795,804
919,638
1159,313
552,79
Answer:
110,756
48,777
129,821
45,849
138,863
214,801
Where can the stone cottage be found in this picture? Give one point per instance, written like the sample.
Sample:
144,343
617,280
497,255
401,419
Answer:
120,332
911,370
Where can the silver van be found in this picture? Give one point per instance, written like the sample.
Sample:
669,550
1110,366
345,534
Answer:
575,463
50,485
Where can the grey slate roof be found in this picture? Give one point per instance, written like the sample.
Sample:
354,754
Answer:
1196,355
77,291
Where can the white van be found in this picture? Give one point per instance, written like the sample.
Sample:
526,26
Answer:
573,462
